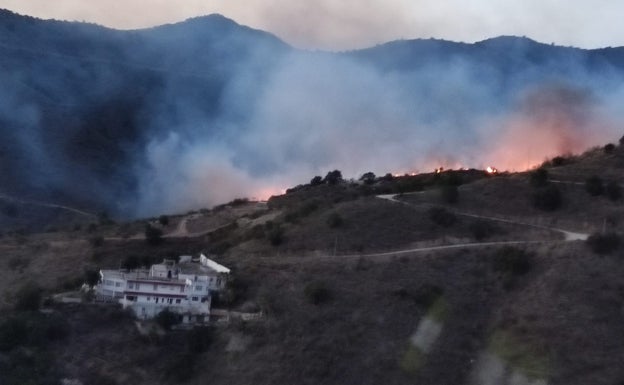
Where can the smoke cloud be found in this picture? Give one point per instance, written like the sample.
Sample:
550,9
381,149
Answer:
196,114
319,112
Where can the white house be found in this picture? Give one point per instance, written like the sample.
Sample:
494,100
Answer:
183,287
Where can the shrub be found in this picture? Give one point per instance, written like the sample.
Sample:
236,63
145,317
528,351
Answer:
594,186
316,292
91,277
163,220
603,243
334,220
440,216
368,177
153,235
275,234
449,193
317,180
96,241
608,148
333,177
512,261
539,177
131,262
482,229
167,319
199,339
28,297
614,191
558,161
547,198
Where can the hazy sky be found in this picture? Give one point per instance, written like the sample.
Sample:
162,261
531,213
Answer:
344,24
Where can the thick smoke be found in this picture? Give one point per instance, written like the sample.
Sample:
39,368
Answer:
197,114
319,112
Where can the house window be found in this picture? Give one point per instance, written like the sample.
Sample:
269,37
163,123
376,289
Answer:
130,285
156,299
170,301
178,300
204,299
198,287
218,281
195,299
149,298
117,284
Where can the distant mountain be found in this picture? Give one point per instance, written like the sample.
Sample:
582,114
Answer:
128,121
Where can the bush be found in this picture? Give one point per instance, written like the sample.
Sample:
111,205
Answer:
482,229
558,161
167,319
274,233
368,178
96,241
334,220
594,186
163,220
512,261
608,148
333,177
153,235
449,193
539,177
547,198
317,180
440,216
91,277
316,292
614,191
131,262
28,298
604,243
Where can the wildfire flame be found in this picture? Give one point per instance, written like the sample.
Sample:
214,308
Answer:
491,170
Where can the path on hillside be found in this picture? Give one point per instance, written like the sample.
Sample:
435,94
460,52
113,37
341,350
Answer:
568,235
45,204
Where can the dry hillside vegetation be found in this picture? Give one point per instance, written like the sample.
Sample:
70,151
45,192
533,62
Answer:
343,300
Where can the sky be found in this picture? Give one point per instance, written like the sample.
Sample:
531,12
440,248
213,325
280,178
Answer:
351,24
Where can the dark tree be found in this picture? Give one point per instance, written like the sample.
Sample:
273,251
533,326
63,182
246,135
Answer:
28,298
594,186
388,177
153,235
449,193
440,216
603,243
622,141
333,177
539,177
614,191
608,148
368,178
317,180
547,198
163,220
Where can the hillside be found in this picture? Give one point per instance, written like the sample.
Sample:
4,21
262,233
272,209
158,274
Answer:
144,122
388,281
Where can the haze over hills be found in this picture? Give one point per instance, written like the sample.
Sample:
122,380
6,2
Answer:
196,113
